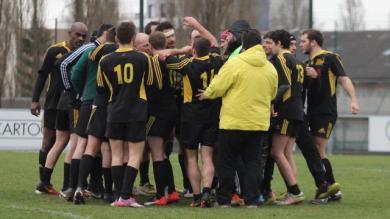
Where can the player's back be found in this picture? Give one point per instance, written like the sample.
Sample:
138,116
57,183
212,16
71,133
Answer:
162,93
291,73
197,76
124,72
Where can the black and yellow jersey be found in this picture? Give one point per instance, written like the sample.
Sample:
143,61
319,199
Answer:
197,74
161,95
176,80
122,76
321,91
54,88
95,55
291,73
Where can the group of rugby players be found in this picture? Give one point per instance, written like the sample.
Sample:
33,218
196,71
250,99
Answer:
122,98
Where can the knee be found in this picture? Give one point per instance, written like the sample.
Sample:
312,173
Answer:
274,153
158,156
191,158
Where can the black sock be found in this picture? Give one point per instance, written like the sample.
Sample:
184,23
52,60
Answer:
160,178
117,176
41,161
128,182
95,181
125,164
86,165
74,173
197,197
46,176
65,182
186,181
107,180
214,185
170,177
294,189
143,172
206,190
328,171
265,185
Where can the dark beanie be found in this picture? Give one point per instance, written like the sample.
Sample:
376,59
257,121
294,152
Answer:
238,27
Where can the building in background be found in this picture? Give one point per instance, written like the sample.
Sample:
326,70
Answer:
365,54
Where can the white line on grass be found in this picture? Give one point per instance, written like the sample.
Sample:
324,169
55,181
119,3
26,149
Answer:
47,211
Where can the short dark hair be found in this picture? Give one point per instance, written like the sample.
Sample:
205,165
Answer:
267,35
111,35
102,28
157,40
148,27
164,26
315,35
93,36
281,36
202,46
250,38
125,32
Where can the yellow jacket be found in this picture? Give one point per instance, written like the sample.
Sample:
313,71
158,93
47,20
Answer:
247,84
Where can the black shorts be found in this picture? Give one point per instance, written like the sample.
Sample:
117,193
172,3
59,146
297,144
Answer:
159,127
286,127
129,131
97,123
66,120
49,119
193,133
322,126
85,112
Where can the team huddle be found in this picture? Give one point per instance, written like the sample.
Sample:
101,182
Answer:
237,104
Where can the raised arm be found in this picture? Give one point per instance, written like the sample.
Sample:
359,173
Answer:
193,23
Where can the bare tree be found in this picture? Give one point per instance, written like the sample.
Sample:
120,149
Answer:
95,12
352,14
7,22
290,15
215,15
78,10
36,37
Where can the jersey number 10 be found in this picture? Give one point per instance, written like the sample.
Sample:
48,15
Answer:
127,75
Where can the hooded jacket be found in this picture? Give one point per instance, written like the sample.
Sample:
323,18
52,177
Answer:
247,84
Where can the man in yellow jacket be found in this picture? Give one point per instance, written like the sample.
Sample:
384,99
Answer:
247,84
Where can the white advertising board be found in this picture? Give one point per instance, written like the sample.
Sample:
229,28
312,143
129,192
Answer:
19,130
379,134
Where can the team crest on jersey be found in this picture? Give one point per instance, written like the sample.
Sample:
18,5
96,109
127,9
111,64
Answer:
320,61
322,131
58,56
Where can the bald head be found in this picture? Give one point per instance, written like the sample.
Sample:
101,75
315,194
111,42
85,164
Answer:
78,26
77,34
141,43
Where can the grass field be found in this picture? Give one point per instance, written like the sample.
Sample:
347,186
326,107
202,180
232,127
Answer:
365,184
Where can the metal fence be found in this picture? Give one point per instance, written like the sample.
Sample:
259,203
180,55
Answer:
350,135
